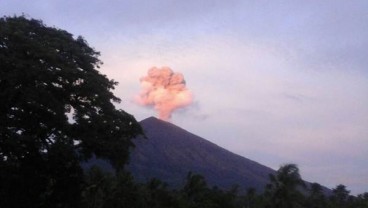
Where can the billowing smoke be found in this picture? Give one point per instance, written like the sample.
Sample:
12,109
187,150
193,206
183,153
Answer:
164,90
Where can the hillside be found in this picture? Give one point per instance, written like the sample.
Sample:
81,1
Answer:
169,152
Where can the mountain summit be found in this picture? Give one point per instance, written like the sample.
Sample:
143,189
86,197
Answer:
170,152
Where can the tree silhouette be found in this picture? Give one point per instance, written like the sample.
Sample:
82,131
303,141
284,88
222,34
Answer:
283,191
250,197
195,187
362,200
316,197
159,196
56,110
340,196
98,185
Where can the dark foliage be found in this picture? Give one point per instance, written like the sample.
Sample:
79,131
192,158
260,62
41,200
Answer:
284,188
105,190
56,110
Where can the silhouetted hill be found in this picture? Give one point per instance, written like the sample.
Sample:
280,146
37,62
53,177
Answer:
169,152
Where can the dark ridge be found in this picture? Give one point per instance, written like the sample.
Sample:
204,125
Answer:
170,152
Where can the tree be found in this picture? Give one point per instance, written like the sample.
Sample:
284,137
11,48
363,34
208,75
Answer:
340,196
284,188
159,196
316,197
56,110
195,191
195,187
362,200
98,187
250,197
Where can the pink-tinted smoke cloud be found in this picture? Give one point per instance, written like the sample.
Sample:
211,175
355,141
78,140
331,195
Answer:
164,90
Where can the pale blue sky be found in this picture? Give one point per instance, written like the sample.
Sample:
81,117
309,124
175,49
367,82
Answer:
274,81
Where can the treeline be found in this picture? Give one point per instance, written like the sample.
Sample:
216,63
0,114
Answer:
285,190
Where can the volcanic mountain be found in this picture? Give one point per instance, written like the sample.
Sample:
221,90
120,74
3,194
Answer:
170,152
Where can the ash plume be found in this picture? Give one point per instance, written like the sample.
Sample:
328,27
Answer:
164,90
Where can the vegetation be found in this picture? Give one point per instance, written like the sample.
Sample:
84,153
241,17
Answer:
284,191
57,111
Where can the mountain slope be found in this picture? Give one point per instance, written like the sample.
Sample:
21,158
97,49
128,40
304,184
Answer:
169,152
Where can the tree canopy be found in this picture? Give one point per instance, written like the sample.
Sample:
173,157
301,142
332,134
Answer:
283,189
56,110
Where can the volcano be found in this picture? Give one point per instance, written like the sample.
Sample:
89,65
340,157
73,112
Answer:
169,152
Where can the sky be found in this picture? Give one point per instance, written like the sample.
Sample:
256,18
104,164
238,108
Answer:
274,81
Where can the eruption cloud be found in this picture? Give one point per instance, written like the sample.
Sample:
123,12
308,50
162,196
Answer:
164,90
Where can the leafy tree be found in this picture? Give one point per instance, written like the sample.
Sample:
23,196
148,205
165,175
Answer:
195,188
196,192
56,110
225,199
283,192
158,195
125,193
316,197
250,197
340,196
98,185
362,201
